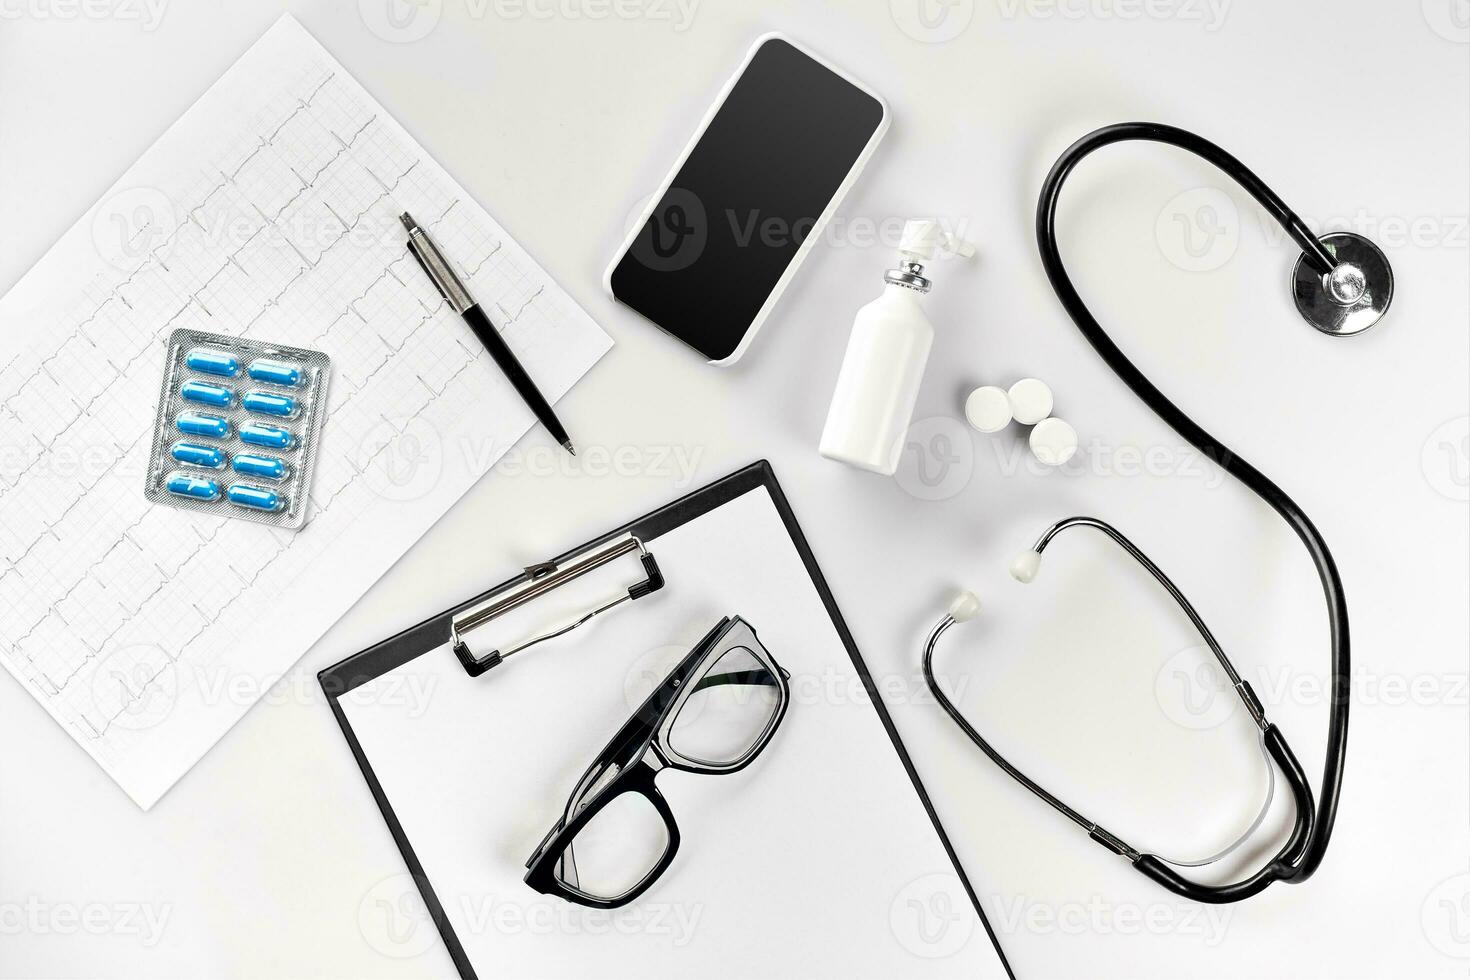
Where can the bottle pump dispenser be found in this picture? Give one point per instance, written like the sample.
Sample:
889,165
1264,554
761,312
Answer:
885,359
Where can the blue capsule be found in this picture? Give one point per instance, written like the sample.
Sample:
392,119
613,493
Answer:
199,424
256,498
254,464
197,455
215,362
207,394
260,434
196,487
275,372
265,403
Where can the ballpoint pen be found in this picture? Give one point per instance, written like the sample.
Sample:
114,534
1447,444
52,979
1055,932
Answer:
454,292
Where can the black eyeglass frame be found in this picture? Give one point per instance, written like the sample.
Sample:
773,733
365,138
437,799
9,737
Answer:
641,750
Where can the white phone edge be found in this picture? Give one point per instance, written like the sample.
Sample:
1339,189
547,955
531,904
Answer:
821,223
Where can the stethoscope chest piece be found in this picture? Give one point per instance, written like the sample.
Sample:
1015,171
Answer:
1350,298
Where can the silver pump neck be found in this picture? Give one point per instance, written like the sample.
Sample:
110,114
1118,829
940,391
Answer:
909,275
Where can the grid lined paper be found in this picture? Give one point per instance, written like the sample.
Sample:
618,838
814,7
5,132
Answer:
281,190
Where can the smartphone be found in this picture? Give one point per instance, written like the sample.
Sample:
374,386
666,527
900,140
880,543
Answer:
710,255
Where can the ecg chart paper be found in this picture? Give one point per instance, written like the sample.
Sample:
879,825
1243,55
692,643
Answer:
269,210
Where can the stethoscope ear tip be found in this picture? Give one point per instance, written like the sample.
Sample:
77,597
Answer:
964,607
1025,565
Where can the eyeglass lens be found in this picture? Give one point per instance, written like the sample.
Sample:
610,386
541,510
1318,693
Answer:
731,705
616,849
733,700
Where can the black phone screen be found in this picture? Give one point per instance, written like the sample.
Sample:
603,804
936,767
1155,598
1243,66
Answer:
740,206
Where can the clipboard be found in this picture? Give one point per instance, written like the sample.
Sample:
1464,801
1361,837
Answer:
921,914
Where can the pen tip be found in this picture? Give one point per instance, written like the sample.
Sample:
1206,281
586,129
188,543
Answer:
408,221
568,446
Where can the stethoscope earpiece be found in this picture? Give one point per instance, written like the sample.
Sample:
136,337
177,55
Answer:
1025,566
964,607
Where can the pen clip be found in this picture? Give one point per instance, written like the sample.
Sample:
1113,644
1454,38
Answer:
414,251
436,266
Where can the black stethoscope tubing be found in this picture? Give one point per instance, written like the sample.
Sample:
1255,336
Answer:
1306,845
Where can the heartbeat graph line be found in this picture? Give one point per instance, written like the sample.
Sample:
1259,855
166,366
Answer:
285,229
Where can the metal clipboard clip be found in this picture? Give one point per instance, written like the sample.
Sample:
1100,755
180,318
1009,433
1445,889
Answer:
541,579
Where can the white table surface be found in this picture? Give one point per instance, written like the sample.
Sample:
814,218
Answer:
268,859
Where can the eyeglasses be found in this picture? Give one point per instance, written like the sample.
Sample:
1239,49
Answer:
713,713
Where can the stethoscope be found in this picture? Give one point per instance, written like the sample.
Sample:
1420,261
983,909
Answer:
1342,284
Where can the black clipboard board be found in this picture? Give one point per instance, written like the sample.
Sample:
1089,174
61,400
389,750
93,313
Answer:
431,634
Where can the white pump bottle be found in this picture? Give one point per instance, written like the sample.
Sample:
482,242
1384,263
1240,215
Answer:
884,365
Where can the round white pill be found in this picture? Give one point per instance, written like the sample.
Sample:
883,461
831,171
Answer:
1053,441
1030,401
988,409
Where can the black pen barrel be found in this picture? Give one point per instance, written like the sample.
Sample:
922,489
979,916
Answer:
493,342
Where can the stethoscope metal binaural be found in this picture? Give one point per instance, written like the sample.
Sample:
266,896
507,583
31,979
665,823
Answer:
1342,284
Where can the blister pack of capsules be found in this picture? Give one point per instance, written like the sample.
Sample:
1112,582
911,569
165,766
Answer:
237,428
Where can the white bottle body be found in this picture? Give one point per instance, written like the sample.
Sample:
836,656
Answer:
879,382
